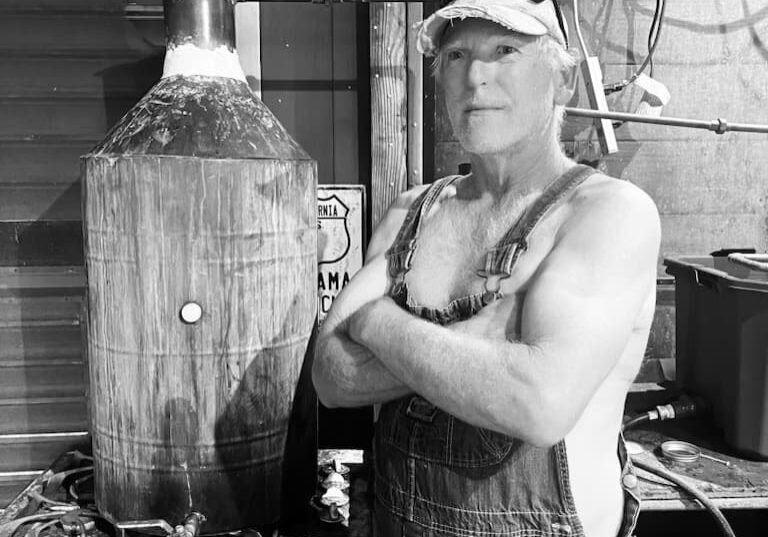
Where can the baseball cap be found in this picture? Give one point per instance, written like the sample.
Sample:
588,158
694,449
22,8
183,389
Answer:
524,16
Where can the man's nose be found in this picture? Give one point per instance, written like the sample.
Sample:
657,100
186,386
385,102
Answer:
479,72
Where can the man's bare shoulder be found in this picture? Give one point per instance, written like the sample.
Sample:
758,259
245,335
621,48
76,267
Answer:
390,224
610,207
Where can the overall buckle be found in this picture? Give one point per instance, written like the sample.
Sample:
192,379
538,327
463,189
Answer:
421,409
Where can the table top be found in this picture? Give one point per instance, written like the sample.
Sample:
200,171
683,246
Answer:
741,485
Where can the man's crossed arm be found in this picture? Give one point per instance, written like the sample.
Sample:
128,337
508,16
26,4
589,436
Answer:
577,318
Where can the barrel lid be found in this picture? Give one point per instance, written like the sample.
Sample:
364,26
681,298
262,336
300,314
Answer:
201,116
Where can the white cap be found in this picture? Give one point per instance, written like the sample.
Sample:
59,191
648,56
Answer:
523,16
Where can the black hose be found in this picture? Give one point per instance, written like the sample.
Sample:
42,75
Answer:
725,527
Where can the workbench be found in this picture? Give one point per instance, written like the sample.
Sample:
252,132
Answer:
741,485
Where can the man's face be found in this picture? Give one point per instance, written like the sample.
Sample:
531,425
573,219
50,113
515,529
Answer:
498,89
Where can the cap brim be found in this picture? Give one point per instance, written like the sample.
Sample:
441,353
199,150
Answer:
431,29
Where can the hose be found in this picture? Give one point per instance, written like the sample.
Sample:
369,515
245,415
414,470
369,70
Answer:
642,418
51,503
7,529
725,527
38,529
74,487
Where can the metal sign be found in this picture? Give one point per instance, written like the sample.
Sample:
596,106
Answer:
340,235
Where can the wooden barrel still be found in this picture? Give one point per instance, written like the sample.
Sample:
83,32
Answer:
218,213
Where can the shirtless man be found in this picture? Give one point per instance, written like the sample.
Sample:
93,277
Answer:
500,316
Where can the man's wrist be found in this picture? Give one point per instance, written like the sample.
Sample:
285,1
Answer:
369,322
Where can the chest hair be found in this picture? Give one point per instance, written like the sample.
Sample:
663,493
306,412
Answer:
452,246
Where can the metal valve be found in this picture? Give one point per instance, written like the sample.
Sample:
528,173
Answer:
333,505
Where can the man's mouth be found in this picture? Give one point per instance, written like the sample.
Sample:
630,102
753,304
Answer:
480,108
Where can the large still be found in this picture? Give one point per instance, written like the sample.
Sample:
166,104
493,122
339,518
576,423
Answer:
200,245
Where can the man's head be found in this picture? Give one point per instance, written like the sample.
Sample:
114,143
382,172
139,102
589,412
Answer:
504,68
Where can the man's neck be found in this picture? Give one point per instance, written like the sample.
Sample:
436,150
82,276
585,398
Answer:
519,170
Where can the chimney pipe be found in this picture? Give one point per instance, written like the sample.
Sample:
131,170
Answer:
207,24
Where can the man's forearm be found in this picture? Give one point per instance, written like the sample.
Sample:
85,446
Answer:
347,374
486,383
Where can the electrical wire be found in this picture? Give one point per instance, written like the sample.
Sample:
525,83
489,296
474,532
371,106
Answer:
653,41
577,27
725,527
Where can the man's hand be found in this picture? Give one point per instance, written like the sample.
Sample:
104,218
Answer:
345,372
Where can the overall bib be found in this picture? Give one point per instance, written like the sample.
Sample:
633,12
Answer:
437,476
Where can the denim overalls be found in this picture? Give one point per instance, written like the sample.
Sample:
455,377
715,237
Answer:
437,476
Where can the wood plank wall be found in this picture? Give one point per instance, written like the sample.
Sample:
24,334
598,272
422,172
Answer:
70,68
711,190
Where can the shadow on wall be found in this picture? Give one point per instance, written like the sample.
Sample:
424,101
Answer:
135,77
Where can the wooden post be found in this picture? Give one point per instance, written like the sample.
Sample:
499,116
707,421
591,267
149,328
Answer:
415,156
389,107
248,35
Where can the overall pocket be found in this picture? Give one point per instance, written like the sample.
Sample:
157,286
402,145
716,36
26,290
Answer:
420,430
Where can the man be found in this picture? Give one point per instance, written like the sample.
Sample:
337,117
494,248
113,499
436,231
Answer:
500,316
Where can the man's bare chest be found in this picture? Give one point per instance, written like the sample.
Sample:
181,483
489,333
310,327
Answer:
452,247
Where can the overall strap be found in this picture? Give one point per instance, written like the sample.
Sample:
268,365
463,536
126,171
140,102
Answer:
501,259
400,253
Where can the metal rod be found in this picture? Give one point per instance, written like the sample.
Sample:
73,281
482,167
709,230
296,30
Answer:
145,524
715,459
339,1
718,125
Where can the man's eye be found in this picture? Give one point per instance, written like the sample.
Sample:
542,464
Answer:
503,50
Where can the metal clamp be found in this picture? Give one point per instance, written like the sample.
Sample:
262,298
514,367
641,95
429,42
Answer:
492,285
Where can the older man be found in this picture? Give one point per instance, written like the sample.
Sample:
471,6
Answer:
501,316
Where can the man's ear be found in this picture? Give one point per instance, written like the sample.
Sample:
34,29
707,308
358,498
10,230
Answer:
565,84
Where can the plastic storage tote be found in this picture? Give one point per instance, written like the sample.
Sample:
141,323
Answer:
721,316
